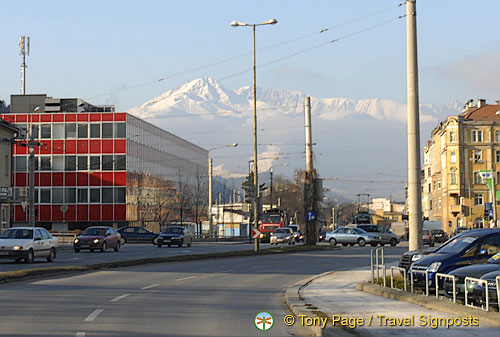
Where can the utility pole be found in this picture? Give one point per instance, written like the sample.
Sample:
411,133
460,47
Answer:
414,184
24,48
309,180
210,220
271,192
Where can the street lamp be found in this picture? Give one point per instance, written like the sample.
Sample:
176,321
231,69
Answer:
31,169
255,171
210,220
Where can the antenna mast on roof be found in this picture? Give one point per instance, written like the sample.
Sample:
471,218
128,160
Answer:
24,49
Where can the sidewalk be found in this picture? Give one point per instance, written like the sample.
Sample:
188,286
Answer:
335,293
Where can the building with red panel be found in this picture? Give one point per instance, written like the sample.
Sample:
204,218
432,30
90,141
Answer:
95,166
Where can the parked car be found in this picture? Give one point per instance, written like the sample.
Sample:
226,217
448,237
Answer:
411,256
97,238
459,230
439,235
352,236
386,235
22,243
175,235
478,296
282,235
298,236
475,270
137,234
427,238
473,246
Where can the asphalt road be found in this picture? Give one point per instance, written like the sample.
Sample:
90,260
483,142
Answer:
199,298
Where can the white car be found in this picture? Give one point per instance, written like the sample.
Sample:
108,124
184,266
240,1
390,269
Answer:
20,243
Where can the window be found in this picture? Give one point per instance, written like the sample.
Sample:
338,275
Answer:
430,204
57,195
95,163
83,195
497,156
498,177
95,195
120,163
7,166
58,131
453,178
83,130
82,163
452,136
491,245
477,178
58,163
429,172
107,130
70,163
120,195
70,195
45,196
434,185
36,196
477,154
45,235
478,199
107,163
45,131
45,163
35,131
120,130
439,184
477,136
38,234
70,131
21,163
497,136
453,157
439,203
430,189
95,130
107,195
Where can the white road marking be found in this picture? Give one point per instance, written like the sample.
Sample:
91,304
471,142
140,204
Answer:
116,299
80,334
93,315
226,271
185,278
149,287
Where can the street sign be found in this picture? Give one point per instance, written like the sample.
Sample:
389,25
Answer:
255,233
310,216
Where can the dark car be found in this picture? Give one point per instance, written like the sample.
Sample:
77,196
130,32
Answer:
439,235
475,270
97,238
137,234
175,235
478,296
427,238
473,246
411,256
459,230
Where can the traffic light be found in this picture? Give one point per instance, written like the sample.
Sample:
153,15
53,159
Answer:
486,215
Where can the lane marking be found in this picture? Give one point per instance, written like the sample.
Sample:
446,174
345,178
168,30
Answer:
93,315
226,271
116,299
185,278
149,287
81,334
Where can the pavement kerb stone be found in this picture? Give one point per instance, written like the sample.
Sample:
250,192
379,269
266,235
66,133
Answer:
430,302
18,275
298,306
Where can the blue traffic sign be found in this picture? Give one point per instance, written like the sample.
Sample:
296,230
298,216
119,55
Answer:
310,216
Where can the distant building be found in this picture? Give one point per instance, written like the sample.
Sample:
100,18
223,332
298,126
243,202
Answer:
95,166
385,211
461,150
8,132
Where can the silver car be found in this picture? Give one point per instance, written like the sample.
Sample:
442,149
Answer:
386,235
351,236
282,235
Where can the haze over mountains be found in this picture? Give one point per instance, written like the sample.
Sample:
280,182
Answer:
359,143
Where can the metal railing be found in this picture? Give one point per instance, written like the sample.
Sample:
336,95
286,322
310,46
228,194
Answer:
478,281
453,280
497,279
426,273
377,266
392,277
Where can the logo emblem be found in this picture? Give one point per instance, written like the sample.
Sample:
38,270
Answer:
264,321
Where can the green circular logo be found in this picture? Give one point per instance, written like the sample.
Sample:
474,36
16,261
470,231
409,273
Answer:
264,321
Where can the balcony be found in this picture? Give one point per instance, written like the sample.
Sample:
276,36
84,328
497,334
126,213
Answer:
457,209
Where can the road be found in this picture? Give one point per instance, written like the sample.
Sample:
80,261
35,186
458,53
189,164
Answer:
199,298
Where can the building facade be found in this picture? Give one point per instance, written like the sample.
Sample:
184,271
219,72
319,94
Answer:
460,160
95,166
7,135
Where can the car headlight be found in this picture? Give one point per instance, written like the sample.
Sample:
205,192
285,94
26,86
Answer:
416,257
76,240
434,267
17,248
96,240
261,236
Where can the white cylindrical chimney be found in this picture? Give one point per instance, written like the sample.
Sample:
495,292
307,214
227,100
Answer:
481,102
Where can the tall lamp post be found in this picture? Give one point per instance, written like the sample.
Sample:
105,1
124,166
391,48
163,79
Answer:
210,220
31,169
255,171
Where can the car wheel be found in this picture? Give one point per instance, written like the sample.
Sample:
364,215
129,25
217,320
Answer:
361,242
31,257
77,250
374,244
159,245
189,244
117,248
351,244
91,250
333,242
52,255
179,245
382,244
394,242
293,242
344,244
104,247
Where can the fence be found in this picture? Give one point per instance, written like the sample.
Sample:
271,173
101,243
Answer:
477,281
392,277
453,280
426,273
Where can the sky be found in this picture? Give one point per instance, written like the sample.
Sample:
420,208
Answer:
127,52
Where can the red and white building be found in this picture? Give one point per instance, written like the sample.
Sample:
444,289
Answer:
95,166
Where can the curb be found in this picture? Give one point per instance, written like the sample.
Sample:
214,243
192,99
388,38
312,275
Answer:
19,275
491,318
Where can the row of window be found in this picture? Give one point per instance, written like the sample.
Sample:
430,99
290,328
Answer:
476,136
73,163
72,195
76,130
478,200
